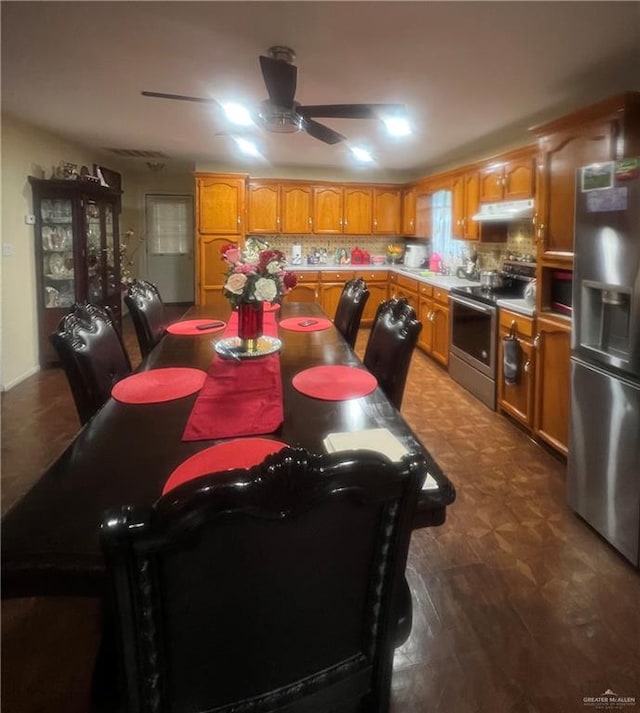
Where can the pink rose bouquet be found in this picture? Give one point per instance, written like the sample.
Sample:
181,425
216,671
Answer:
256,276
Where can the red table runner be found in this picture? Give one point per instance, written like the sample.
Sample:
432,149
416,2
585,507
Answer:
239,398
190,326
241,453
334,382
156,385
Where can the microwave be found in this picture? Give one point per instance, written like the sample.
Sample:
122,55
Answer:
561,291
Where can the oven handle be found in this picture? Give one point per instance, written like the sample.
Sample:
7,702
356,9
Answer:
473,305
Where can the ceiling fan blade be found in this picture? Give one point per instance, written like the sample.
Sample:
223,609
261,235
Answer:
321,132
280,79
180,97
351,111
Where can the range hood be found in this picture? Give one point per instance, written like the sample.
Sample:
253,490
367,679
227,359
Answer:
505,211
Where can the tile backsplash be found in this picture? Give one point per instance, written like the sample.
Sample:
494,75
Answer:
329,245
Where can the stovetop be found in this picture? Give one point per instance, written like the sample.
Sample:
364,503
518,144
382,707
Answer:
512,289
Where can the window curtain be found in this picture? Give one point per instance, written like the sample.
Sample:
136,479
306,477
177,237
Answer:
168,224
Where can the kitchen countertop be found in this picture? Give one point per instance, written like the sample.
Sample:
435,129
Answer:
445,282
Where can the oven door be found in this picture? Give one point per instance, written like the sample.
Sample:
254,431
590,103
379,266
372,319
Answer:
473,334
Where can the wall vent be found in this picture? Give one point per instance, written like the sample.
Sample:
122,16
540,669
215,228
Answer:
137,153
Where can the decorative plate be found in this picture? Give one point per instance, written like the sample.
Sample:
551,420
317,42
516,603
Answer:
231,347
56,264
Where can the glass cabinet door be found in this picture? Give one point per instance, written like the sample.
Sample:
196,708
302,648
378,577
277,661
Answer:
112,281
58,285
96,253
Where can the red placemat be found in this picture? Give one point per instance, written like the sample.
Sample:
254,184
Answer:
156,385
237,399
299,324
335,382
239,453
189,326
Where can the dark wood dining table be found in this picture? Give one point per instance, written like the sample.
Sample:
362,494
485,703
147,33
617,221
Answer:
126,452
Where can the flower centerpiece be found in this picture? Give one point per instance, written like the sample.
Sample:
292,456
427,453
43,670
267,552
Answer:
253,278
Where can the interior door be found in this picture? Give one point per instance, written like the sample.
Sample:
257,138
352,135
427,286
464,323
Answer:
169,228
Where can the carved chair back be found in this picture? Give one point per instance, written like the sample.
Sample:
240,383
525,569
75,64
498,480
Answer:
350,308
147,313
267,589
92,354
390,345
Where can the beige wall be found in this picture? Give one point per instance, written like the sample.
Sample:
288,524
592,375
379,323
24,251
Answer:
29,151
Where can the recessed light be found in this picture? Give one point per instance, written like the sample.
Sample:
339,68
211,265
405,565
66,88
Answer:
237,114
248,148
361,154
397,126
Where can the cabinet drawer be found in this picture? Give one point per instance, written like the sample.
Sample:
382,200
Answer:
372,275
524,324
336,275
425,290
440,295
393,278
307,276
407,283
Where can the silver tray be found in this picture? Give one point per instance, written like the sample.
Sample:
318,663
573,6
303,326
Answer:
230,347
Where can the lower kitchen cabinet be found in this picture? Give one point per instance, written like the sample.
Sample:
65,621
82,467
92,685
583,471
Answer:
553,349
331,286
378,290
407,287
517,399
307,289
433,312
211,269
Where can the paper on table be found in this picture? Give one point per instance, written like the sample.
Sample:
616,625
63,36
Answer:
373,439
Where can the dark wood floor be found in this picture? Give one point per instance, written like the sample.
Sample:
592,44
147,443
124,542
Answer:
519,607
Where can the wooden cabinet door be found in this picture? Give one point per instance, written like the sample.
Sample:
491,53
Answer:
440,326
517,399
471,203
296,205
327,210
457,206
387,204
409,212
263,207
425,338
220,204
330,293
551,420
424,216
211,269
518,179
561,155
303,292
491,179
377,293
358,211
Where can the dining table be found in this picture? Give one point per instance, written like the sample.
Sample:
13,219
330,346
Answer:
127,451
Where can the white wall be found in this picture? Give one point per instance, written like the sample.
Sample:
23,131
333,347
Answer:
29,151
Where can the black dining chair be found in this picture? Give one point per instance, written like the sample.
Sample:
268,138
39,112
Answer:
92,354
268,589
350,308
147,312
390,346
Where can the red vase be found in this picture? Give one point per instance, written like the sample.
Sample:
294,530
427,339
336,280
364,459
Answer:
250,317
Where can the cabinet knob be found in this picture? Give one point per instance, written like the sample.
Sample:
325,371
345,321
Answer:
527,366
238,220
536,341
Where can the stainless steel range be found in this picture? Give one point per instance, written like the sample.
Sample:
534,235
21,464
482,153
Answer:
474,329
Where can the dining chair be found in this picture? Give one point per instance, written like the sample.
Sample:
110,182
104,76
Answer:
267,589
390,346
147,313
92,354
350,308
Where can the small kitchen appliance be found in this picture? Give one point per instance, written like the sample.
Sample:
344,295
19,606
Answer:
415,255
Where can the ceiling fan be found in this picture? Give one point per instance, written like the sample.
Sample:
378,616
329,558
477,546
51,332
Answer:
280,113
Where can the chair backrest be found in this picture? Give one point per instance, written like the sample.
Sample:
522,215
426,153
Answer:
92,354
265,589
350,308
147,312
390,345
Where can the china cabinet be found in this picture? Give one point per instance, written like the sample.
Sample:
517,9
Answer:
77,251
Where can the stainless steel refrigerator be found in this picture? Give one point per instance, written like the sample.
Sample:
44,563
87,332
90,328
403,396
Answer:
603,475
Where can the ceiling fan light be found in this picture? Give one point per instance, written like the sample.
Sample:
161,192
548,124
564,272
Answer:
361,154
237,114
397,126
248,148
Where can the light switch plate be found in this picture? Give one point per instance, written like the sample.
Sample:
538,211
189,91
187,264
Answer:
30,219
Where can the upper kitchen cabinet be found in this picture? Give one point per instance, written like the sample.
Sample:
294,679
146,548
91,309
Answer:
263,207
605,131
327,209
220,199
465,189
387,208
77,252
509,177
358,210
296,208
409,211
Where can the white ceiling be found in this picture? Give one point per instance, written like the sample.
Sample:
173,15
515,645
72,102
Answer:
473,75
